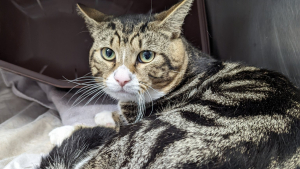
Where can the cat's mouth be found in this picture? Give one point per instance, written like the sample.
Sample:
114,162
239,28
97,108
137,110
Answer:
124,92
122,95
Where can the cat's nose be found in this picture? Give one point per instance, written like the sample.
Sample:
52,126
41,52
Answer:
122,77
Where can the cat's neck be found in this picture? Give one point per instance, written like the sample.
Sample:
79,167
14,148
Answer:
198,61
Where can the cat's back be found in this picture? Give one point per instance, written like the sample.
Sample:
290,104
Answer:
233,116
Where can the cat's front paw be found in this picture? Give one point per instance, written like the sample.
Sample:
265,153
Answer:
105,118
59,134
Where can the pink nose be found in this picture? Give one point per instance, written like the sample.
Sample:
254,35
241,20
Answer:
122,77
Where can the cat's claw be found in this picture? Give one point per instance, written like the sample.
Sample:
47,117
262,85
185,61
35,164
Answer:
105,118
59,134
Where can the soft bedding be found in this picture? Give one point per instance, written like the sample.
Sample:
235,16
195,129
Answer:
29,110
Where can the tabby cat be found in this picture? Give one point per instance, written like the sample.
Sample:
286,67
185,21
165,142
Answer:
178,107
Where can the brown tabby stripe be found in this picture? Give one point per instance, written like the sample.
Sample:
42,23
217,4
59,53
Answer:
140,44
117,34
111,25
143,27
136,35
111,41
199,119
92,55
165,138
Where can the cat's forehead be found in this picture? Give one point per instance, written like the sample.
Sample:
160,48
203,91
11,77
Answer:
122,28
130,23
131,31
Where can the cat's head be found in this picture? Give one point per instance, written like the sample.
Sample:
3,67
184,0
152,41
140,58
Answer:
138,56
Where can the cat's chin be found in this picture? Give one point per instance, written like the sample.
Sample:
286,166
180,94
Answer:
122,96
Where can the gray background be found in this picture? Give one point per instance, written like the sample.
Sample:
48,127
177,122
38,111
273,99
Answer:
264,33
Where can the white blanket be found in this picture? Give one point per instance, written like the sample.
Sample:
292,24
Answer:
29,111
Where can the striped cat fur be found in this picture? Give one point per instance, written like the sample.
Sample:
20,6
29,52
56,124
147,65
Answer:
213,114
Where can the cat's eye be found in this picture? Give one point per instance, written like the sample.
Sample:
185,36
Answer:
108,54
146,56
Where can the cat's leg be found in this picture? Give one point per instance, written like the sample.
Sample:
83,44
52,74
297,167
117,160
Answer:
110,119
76,150
59,134
107,119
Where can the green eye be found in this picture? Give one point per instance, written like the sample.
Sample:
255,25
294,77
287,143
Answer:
146,56
108,54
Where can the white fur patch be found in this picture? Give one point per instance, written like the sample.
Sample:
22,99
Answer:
59,134
105,119
126,93
124,56
130,90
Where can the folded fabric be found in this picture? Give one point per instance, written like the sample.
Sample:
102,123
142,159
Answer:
29,110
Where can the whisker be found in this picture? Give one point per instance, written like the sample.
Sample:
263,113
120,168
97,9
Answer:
83,89
149,87
89,90
98,93
69,91
141,108
151,101
100,97
104,98
86,80
87,95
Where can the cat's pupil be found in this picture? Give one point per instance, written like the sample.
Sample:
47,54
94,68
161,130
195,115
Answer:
109,52
147,55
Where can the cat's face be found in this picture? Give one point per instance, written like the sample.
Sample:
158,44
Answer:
137,57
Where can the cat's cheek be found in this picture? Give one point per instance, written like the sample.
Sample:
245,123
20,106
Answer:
94,71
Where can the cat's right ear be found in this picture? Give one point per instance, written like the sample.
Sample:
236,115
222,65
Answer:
91,16
172,19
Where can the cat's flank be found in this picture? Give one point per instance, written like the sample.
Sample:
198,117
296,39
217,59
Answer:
179,108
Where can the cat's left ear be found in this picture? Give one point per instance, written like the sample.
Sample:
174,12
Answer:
91,16
172,19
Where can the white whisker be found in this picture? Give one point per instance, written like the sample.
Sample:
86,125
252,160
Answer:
98,93
83,89
86,96
150,87
151,100
141,108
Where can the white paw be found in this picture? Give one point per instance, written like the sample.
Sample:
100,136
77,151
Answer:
58,134
105,119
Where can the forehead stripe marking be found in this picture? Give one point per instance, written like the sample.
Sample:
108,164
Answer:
136,35
168,62
140,43
125,39
116,33
143,27
92,55
111,41
111,25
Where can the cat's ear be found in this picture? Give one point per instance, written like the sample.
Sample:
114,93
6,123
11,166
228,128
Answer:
91,16
172,19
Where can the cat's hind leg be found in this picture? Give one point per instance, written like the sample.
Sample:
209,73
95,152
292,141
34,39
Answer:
59,134
78,148
105,119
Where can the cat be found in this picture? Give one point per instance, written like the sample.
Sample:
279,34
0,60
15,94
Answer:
178,108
